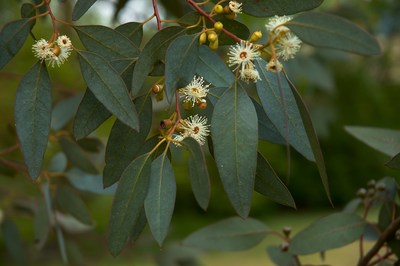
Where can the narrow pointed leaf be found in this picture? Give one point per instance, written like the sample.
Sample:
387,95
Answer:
384,140
71,203
41,225
231,234
138,225
198,173
88,182
128,202
330,232
312,137
268,8
13,241
12,38
283,113
234,131
81,7
180,63
108,87
324,30
268,184
160,200
33,116
64,110
394,162
133,31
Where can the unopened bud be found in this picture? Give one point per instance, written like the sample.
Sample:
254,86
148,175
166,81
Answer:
255,36
287,230
160,96
212,36
371,183
56,50
218,26
203,38
157,88
213,45
166,124
381,187
231,15
227,10
218,9
361,193
284,246
202,104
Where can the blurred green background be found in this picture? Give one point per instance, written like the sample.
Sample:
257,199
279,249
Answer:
340,89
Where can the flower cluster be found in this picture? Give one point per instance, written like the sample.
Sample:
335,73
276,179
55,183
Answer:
55,53
195,91
195,127
242,56
235,7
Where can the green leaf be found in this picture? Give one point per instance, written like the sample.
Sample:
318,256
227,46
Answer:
213,69
138,225
312,137
324,30
41,225
394,162
58,163
28,10
180,63
231,234
133,31
125,144
81,7
12,38
388,198
32,111
128,202
106,42
13,241
267,8
384,140
268,184
76,155
64,110
198,173
160,199
91,144
153,52
71,203
90,115
108,87
233,26
234,134
283,113
335,230
89,183
281,258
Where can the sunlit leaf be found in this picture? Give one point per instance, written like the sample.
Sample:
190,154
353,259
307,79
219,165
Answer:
160,200
33,115
234,131
108,87
81,7
267,8
231,234
128,202
330,232
71,203
324,30
64,110
12,38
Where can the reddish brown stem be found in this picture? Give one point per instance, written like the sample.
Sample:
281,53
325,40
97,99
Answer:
157,14
53,18
9,149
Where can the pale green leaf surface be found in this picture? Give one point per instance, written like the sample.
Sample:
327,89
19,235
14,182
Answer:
89,183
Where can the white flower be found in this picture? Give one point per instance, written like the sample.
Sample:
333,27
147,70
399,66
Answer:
235,7
242,54
249,74
59,55
41,49
195,91
287,46
63,41
195,127
178,138
274,66
275,24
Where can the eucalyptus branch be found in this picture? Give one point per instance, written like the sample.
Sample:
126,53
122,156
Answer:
157,15
9,149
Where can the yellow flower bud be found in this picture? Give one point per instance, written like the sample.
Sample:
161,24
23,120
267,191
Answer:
212,36
187,105
255,36
218,9
202,104
213,45
56,50
203,38
231,15
157,88
218,26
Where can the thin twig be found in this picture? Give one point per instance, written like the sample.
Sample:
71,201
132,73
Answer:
157,15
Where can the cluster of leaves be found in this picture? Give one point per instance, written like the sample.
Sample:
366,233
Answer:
117,70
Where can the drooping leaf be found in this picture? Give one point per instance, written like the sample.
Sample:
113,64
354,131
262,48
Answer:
71,203
330,232
384,140
32,111
28,10
41,225
394,162
324,30
13,241
89,183
108,87
106,42
160,200
153,51
81,7
138,225
125,144
180,63
283,113
268,184
234,131
231,234
77,156
128,202
12,38
133,31
198,173
281,258
213,69
64,111
267,8
312,137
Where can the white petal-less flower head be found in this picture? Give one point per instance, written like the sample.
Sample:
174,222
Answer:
59,55
287,46
276,24
196,127
249,74
235,7
195,91
41,49
63,41
274,66
177,139
242,54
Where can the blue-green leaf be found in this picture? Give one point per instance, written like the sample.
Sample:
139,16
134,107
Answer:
160,200
33,116
81,7
133,31
13,241
281,258
71,203
64,110
234,130
267,8
89,183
